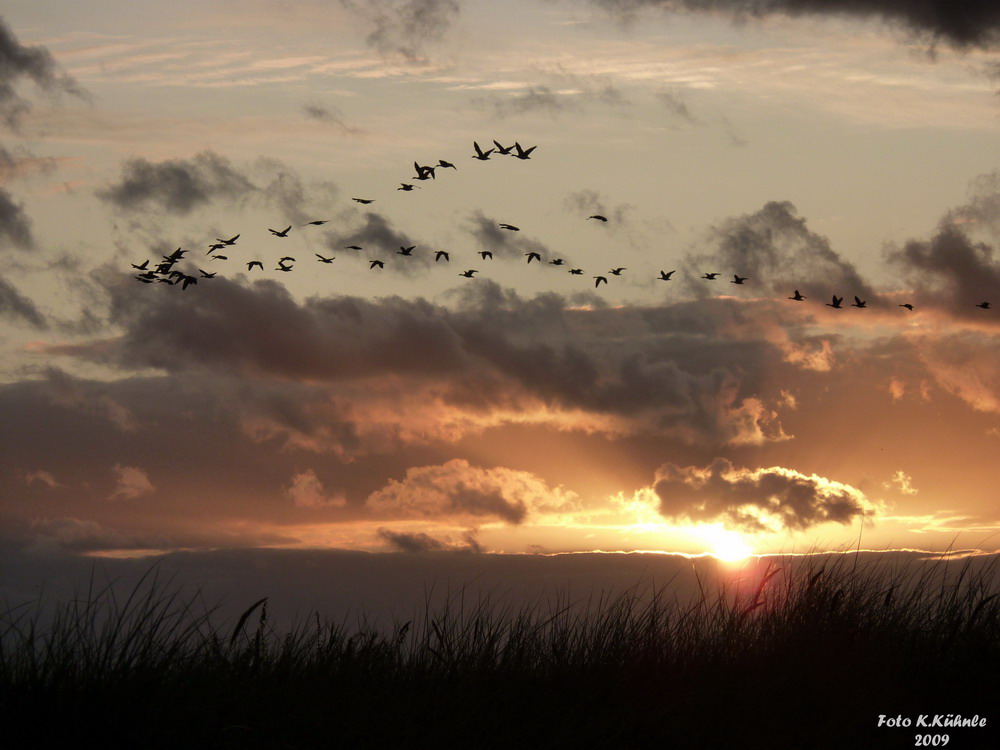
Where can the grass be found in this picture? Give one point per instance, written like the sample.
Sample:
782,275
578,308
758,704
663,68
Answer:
803,653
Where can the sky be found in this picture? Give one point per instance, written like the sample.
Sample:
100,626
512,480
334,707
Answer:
834,148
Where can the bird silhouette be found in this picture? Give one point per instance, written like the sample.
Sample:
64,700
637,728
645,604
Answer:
406,186
363,201
230,241
375,263
710,276
218,257
798,296
908,306
665,275
468,274
214,247
142,266
352,247
480,154
316,223
616,271
523,153
510,227
738,279
501,150
836,302
576,271
206,274
253,263
423,173
325,260
446,165
187,281
984,305
282,233
534,256
599,280
487,255
283,267
858,302
557,262
406,250
598,217
441,254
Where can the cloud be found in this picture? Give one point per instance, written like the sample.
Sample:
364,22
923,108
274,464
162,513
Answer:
307,491
675,105
15,224
403,28
774,498
177,186
959,23
16,306
18,62
506,244
458,490
130,482
574,91
402,541
381,240
592,202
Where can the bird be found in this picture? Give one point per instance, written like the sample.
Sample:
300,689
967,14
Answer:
446,165
576,271
206,274
287,257
253,263
282,233
710,276
487,255
441,254
616,271
798,296
556,262
533,256
468,274
406,250
480,154
142,266
424,173
325,260
908,306
599,280
351,247
984,305
230,241
144,280
501,150
858,302
510,227
187,281
836,302
175,255
598,217
363,201
738,279
283,267
523,153
214,247
375,263
406,186
665,275
218,257
316,223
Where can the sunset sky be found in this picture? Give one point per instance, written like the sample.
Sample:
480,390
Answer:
842,147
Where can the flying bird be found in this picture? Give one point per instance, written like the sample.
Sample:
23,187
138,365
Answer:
216,246
738,279
908,306
556,262
206,274
406,186
446,165
230,241
441,254
316,223
523,153
598,217
665,275
468,274
858,302
984,305
187,281
616,271
510,227
836,302
406,250
576,271
363,201
501,150
325,260
282,233
534,256
480,154
283,267
351,247
142,266
253,263
424,173
599,280
375,263
798,296
218,257
487,255
710,276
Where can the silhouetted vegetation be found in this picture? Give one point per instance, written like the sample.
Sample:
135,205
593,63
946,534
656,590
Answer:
801,654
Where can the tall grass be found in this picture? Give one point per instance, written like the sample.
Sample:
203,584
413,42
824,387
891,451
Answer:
797,654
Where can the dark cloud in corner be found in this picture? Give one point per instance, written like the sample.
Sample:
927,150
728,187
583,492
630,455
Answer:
404,27
756,499
14,222
959,23
177,185
18,62
15,305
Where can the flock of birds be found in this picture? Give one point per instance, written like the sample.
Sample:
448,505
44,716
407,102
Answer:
165,271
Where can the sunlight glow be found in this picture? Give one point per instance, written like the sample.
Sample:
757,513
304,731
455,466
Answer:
725,545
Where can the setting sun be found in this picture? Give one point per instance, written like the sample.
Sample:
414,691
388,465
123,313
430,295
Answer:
724,544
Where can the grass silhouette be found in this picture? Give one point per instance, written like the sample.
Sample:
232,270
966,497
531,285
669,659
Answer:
801,653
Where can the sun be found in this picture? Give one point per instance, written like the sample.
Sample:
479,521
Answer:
724,544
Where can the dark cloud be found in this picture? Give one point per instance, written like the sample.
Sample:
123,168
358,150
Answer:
959,23
329,114
575,92
419,542
778,252
403,28
282,188
18,62
506,244
675,105
774,498
382,241
590,202
177,185
16,306
15,225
